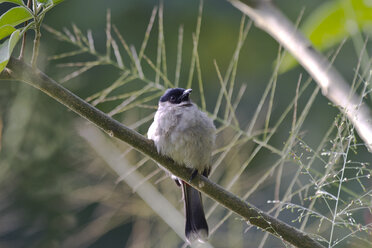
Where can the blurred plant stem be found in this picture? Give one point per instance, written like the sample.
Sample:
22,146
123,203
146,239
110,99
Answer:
20,115
18,70
35,50
267,17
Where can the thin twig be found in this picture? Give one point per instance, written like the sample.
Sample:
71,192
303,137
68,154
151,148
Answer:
108,34
195,47
179,56
147,33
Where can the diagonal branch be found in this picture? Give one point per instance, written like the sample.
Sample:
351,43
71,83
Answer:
18,70
334,87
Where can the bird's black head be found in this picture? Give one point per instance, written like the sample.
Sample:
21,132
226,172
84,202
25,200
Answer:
176,95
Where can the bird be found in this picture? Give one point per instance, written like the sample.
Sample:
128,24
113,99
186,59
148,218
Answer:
187,135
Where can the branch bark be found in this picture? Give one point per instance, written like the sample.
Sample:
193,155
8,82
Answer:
18,70
334,87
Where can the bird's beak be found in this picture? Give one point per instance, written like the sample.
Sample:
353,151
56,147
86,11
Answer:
186,94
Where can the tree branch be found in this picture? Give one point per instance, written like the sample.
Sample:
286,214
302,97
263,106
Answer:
334,87
18,70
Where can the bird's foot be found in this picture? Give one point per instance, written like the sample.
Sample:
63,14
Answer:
206,171
193,174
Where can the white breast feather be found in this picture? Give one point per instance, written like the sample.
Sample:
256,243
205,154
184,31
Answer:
184,134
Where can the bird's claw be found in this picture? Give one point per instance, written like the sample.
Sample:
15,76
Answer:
193,174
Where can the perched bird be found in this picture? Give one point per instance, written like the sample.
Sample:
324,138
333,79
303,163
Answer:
185,134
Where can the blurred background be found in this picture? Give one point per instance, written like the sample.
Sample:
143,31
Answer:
58,188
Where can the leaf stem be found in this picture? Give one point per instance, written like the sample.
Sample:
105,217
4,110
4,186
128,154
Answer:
35,50
22,52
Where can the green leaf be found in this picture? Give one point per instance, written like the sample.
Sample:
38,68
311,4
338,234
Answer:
331,22
57,1
6,30
46,2
20,2
15,16
7,47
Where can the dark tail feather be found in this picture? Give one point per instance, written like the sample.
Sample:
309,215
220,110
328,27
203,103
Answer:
196,224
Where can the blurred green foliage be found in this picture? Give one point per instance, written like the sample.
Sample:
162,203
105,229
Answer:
333,21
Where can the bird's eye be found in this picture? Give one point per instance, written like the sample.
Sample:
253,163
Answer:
172,98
